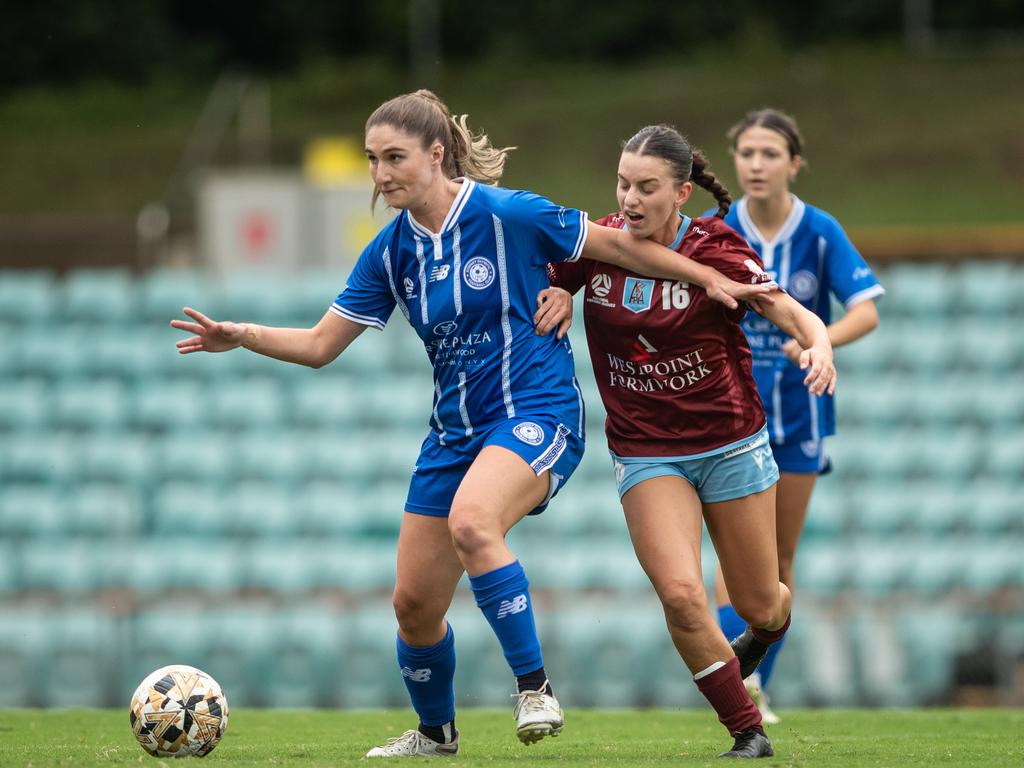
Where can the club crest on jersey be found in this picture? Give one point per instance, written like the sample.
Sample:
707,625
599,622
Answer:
529,433
803,285
636,294
478,273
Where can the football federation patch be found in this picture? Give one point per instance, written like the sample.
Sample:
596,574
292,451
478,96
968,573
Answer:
803,285
636,294
529,433
478,273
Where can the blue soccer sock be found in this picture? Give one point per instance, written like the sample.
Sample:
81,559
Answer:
504,597
730,622
429,674
767,664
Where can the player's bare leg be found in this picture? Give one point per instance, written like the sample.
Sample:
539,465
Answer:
498,491
744,535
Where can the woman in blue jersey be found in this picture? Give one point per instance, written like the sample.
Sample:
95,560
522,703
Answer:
808,253
464,262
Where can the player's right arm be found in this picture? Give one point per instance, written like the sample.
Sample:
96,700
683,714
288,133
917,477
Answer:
315,347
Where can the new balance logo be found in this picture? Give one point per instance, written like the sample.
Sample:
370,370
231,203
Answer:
515,605
417,675
439,273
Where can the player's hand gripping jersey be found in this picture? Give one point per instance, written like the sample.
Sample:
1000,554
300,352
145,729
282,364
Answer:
470,293
672,366
810,257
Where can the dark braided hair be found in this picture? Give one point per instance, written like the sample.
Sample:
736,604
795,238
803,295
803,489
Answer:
687,164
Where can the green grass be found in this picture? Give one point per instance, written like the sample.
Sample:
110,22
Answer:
310,739
892,139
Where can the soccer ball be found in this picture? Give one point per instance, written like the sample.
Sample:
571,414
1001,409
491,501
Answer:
178,711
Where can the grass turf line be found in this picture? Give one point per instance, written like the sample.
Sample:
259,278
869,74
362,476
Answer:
627,738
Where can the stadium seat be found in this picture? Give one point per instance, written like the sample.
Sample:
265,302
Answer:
260,508
327,402
250,403
189,508
194,456
53,352
267,299
126,458
328,509
286,567
308,644
932,633
160,637
399,403
163,292
1004,457
275,455
25,404
989,289
79,668
171,565
371,652
43,457
90,405
67,568
99,295
23,635
877,569
918,290
823,569
355,566
162,405
37,510
105,510
27,297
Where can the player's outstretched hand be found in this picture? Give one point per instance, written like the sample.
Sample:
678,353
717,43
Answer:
554,310
820,367
210,336
731,293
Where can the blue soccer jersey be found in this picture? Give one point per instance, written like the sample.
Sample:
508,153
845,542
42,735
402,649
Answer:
470,293
810,257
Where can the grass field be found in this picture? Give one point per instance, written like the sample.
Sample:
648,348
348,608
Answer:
990,738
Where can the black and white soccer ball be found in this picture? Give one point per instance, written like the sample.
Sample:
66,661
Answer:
178,711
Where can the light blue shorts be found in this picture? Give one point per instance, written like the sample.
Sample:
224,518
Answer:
806,457
546,444
730,472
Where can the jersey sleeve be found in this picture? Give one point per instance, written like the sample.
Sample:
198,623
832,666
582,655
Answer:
369,297
553,232
849,277
568,275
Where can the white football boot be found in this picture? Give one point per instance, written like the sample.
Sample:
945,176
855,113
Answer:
760,698
537,715
415,744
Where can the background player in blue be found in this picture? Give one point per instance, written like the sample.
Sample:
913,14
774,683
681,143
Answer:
808,253
464,263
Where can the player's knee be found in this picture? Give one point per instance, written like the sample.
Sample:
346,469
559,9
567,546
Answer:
759,613
469,530
685,604
412,610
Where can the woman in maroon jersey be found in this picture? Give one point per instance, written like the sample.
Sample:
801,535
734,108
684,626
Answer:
685,426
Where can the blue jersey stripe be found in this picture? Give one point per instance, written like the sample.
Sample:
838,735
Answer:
457,268
361,319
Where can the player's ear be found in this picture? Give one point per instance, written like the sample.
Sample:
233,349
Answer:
683,193
794,167
437,153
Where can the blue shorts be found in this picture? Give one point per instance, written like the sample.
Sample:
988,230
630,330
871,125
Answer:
730,472
545,444
806,457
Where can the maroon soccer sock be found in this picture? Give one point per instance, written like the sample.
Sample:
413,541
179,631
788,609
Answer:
769,636
724,690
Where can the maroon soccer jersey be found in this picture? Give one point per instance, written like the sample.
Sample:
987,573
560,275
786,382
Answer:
673,366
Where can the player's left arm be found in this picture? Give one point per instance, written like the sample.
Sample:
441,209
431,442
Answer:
646,257
810,333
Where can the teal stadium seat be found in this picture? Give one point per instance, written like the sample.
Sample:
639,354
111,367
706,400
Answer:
936,567
99,295
23,634
913,345
25,404
328,509
932,633
27,297
866,356
79,667
879,569
173,564
327,402
189,507
1004,456
261,509
368,668
307,646
243,404
285,567
265,298
162,405
121,458
313,291
174,634
271,455
69,569
990,289
355,566
91,405
53,352
823,568
990,345
105,511
918,290
32,510
828,511
43,457
399,403
194,456
163,292
338,455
